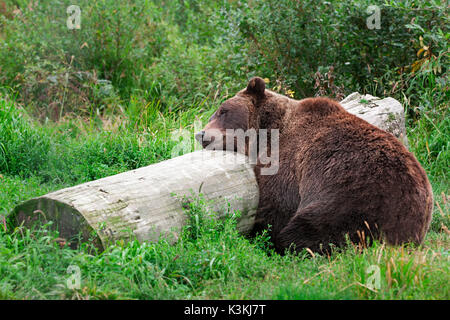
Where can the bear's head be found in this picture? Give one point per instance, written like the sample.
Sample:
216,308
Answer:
250,110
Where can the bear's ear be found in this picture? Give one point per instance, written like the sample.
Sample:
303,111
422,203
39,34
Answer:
256,86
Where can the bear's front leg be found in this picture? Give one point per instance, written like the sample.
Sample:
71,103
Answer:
269,217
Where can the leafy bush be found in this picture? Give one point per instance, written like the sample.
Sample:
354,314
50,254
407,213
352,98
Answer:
291,41
59,70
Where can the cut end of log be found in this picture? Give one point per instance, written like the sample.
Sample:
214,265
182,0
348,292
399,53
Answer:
72,225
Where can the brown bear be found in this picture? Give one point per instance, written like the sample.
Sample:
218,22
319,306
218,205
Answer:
338,175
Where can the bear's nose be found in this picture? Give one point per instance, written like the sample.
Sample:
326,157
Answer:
199,136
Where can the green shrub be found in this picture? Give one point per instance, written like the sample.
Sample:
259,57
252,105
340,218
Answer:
60,70
298,42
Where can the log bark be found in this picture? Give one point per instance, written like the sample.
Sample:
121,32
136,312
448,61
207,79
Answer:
146,202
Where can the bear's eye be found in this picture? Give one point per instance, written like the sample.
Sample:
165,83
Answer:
222,111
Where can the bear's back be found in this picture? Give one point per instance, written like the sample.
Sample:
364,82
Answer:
357,166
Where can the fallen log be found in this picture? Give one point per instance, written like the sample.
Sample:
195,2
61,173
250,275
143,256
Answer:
147,202
386,114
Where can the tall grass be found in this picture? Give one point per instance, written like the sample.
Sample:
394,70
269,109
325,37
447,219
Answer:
91,149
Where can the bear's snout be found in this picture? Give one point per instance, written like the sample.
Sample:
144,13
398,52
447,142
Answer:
203,138
199,136
211,138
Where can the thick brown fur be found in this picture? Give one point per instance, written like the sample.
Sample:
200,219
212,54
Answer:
338,175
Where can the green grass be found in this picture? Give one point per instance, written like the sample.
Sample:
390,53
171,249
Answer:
92,149
212,261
